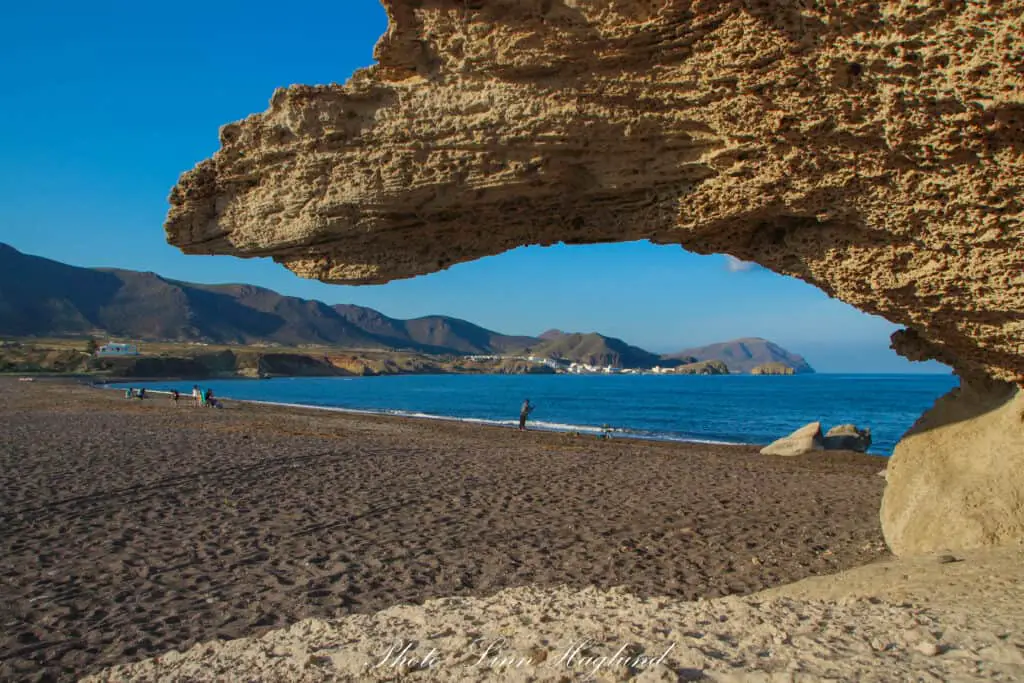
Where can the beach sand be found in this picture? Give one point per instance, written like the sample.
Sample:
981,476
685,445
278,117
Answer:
130,528
917,619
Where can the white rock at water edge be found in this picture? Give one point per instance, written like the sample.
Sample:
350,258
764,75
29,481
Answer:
804,440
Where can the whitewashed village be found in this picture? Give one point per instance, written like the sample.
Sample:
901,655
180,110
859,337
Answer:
562,366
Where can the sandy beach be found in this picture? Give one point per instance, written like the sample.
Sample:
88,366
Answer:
927,618
130,528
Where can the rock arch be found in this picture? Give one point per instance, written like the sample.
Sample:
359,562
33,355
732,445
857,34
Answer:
874,150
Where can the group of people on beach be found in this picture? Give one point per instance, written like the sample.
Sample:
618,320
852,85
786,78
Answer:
200,397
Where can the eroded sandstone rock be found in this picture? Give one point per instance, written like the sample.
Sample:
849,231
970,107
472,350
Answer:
848,438
956,479
871,149
805,440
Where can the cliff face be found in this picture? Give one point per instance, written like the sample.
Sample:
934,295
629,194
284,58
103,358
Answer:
704,367
772,369
221,364
871,149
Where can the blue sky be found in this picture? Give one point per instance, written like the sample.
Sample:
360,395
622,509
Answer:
105,104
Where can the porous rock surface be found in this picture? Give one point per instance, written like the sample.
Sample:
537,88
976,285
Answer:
871,149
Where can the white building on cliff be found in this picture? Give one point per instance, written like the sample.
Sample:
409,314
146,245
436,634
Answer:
118,349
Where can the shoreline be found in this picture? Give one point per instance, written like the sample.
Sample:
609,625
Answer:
97,378
135,528
536,426
582,430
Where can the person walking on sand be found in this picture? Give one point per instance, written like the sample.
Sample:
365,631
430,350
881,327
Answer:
196,395
524,412
174,397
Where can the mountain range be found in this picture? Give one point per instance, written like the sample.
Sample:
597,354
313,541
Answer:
432,334
44,298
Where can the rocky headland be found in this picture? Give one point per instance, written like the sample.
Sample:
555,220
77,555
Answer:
705,367
772,369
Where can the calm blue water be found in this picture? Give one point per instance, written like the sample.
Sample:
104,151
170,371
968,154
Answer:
730,409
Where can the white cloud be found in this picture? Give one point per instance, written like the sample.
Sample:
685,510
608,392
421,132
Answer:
734,265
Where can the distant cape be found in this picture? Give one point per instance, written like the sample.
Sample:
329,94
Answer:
743,355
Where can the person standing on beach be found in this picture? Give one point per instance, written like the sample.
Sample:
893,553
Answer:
524,412
174,397
196,395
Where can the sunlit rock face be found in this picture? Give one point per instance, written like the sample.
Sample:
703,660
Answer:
956,479
875,150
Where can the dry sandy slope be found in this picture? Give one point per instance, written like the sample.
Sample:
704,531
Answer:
918,619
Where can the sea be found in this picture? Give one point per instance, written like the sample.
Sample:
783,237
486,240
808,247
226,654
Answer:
724,409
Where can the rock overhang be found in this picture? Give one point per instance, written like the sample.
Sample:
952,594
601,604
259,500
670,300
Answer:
874,150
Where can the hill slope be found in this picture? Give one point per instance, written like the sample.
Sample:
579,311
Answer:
743,355
593,349
434,333
40,297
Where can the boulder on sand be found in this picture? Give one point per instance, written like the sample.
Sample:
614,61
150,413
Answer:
804,440
848,438
956,478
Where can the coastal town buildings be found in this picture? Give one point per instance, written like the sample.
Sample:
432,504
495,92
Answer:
118,349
